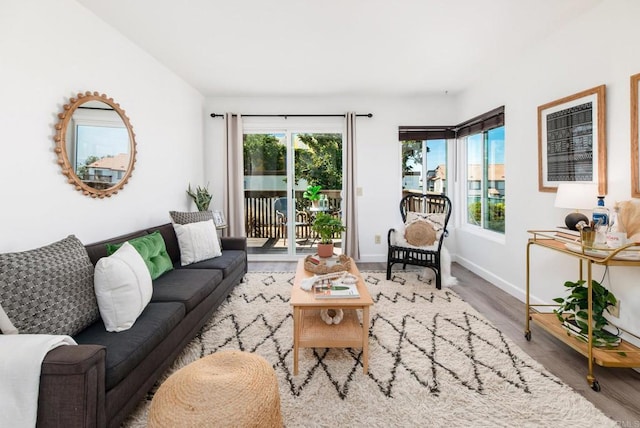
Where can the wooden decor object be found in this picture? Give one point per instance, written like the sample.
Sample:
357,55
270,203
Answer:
97,106
321,267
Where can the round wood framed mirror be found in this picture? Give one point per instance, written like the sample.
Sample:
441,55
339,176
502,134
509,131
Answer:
95,145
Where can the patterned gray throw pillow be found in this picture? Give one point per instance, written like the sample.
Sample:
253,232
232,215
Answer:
190,217
49,290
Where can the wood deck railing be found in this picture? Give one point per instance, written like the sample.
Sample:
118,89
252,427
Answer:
262,221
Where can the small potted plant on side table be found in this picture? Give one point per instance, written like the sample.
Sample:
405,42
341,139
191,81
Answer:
326,226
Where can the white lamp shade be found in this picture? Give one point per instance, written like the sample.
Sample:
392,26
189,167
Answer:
577,196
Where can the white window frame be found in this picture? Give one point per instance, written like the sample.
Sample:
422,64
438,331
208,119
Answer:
462,195
290,126
425,169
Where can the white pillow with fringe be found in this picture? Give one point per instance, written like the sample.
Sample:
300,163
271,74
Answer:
197,241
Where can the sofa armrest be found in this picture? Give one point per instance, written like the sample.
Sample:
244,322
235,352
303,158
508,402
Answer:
72,387
234,243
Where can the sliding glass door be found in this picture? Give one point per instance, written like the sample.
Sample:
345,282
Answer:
278,167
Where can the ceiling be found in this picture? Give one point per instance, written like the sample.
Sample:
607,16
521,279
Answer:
334,47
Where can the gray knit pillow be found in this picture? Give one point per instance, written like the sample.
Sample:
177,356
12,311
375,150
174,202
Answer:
49,290
190,217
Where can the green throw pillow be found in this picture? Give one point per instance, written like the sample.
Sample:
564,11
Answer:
153,251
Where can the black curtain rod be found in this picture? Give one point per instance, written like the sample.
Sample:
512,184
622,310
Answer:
294,115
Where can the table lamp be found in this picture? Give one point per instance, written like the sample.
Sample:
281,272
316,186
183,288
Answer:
576,196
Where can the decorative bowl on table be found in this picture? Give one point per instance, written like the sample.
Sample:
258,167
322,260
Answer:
322,266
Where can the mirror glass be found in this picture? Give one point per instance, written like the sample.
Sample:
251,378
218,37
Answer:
95,144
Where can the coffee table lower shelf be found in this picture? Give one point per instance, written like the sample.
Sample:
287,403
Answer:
315,333
310,331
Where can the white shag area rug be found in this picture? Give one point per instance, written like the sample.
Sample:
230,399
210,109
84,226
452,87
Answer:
433,362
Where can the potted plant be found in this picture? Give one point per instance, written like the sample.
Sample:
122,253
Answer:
313,194
326,226
200,196
573,314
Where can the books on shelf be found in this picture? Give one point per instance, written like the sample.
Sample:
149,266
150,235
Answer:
574,329
568,234
336,290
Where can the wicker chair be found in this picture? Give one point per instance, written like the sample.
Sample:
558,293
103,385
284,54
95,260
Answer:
417,256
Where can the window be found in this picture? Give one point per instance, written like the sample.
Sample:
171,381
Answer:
424,158
424,166
485,179
479,148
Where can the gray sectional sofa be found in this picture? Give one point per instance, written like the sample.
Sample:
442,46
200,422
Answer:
100,382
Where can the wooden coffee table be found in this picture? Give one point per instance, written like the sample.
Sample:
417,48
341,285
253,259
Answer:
310,331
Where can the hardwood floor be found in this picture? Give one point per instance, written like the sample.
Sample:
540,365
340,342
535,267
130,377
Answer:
620,395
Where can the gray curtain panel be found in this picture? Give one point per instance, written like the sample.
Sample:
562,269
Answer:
233,178
351,244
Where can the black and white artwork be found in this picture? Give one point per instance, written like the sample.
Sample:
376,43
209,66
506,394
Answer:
570,144
571,141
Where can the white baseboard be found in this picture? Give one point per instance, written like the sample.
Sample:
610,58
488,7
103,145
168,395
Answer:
373,258
505,286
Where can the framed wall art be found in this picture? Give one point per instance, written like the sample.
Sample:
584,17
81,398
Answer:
572,141
635,125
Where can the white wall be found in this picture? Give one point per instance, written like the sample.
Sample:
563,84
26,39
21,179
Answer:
50,51
598,48
378,149
593,50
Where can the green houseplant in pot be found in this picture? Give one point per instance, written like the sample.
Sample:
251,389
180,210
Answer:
573,312
312,194
200,196
326,226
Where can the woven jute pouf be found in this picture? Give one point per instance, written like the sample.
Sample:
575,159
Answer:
225,389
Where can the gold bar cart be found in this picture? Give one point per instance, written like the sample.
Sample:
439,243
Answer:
623,355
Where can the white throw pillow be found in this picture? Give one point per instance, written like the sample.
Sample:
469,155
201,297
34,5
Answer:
6,326
197,241
123,287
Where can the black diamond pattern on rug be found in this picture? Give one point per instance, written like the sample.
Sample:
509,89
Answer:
433,347
433,361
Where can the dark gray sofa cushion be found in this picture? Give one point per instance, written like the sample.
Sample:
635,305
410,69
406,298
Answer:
227,262
98,250
126,349
49,290
187,286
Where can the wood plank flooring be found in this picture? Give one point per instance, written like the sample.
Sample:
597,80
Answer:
620,395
